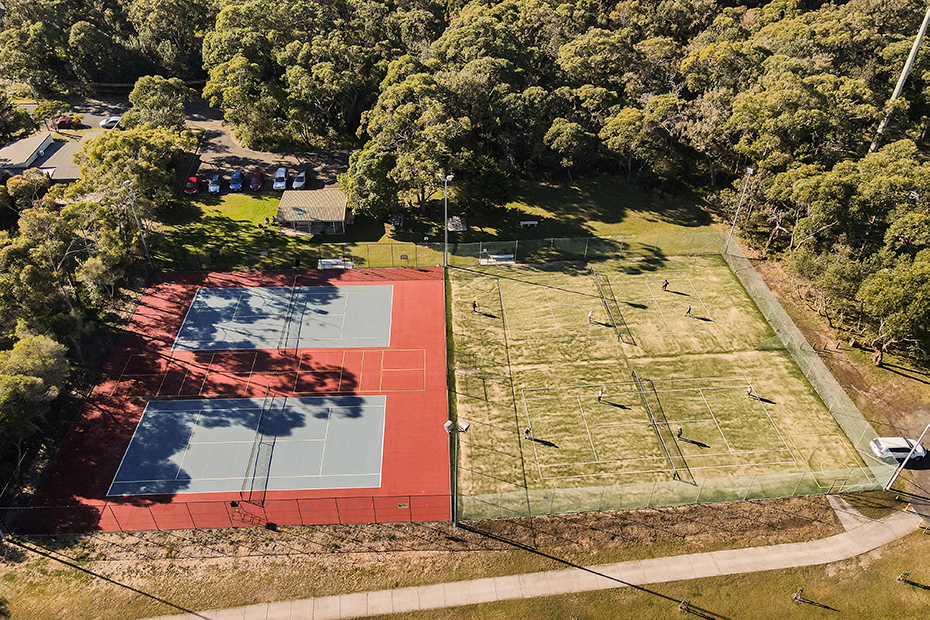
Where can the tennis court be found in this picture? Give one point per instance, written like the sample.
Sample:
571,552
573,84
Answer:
254,445
667,343
607,428
287,317
628,306
239,399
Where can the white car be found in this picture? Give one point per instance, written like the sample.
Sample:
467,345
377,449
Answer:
280,179
897,447
300,180
110,123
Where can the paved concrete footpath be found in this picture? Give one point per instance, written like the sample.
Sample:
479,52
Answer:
862,535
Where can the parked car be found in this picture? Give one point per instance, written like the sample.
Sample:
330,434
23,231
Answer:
66,122
192,186
235,182
898,447
258,179
216,183
300,180
110,123
280,179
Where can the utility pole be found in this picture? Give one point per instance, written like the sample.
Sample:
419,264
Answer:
749,172
897,89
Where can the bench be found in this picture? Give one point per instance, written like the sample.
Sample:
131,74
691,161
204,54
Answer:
529,223
334,263
497,259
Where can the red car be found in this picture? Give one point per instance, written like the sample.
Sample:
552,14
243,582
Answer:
192,186
65,122
258,179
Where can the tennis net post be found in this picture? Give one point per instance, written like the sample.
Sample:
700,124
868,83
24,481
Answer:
613,321
252,468
677,473
285,337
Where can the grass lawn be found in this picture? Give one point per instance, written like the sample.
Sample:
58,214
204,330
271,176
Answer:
862,587
221,232
532,358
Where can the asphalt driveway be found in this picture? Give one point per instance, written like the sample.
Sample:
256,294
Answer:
220,152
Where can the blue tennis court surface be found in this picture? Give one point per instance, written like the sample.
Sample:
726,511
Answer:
288,317
246,444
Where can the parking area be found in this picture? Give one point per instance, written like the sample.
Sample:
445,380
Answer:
220,153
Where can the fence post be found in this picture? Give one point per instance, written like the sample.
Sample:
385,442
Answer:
750,487
516,245
586,249
600,500
651,493
701,490
798,486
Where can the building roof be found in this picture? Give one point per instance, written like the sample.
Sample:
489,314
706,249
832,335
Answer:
317,205
58,161
22,153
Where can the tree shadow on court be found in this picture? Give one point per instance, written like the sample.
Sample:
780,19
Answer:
250,318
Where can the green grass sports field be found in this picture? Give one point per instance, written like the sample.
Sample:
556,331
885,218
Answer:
591,380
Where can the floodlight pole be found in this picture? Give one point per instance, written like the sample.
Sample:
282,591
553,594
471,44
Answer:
132,206
445,217
897,472
749,172
454,430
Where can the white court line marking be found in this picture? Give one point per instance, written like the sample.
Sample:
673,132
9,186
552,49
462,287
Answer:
584,419
707,404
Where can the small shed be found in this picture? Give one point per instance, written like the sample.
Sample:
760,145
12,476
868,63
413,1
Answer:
318,212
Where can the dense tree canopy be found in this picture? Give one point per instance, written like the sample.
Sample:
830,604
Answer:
686,92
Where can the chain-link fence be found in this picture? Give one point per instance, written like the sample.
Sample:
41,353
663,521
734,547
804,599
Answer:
275,252
537,502
534,502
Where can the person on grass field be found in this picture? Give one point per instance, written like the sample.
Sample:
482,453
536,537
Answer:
665,285
688,311
600,395
591,317
527,433
474,307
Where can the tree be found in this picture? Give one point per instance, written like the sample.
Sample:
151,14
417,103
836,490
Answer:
570,140
171,32
623,135
898,298
27,188
157,102
368,184
14,121
144,157
412,121
31,376
47,110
